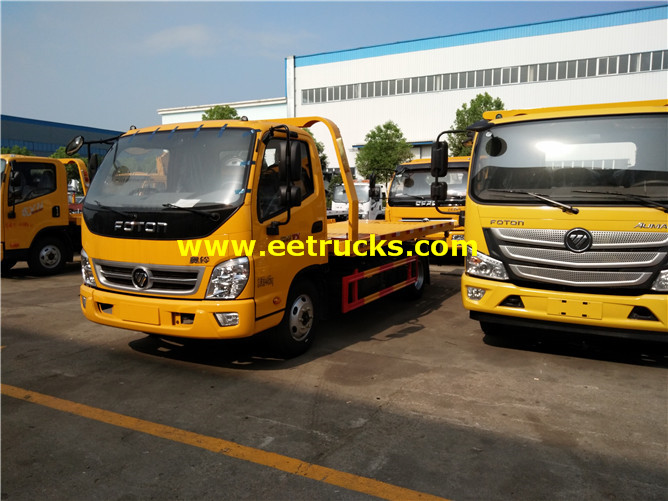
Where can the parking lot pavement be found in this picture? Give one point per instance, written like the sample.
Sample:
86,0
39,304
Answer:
395,401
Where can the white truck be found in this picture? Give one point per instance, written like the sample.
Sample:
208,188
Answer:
371,201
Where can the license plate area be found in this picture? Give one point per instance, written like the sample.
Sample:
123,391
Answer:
139,314
574,308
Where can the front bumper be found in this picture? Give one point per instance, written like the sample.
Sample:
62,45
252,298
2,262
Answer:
599,313
167,316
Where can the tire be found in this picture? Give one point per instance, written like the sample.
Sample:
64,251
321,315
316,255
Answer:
47,256
416,290
294,335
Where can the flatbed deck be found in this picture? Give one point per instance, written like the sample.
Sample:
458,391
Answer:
384,230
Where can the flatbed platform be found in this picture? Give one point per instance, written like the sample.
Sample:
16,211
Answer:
384,230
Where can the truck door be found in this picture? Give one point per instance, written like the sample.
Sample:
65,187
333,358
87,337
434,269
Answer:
274,273
33,201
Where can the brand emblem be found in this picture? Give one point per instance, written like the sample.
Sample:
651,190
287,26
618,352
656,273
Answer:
141,278
141,226
578,240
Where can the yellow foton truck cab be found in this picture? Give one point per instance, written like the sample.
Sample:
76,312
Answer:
41,223
410,199
568,207
172,211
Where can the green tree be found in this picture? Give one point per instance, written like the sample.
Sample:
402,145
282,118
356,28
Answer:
220,112
465,116
72,170
321,150
385,148
16,150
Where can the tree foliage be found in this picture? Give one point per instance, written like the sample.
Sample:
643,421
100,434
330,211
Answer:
220,112
321,150
385,148
465,116
72,170
16,150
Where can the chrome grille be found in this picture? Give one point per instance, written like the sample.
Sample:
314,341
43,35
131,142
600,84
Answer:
579,277
586,259
181,280
616,259
607,239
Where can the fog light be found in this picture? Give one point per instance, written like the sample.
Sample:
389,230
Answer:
458,236
227,319
475,293
83,302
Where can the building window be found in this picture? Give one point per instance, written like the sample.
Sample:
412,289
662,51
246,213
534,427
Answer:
603,66
656,60
549,71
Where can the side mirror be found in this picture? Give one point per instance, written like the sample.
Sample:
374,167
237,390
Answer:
439,191
290,197
74,145
295,161
374,193
439,158
93,165
293,171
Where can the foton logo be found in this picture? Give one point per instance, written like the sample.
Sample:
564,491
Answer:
578,240
140,226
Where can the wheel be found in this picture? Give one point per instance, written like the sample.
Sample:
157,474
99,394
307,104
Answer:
294,335
47,256
415,290
7,264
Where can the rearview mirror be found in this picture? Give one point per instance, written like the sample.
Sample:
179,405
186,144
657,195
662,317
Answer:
439,159
74,145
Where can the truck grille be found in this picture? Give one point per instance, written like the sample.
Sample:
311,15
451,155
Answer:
615,259
169,280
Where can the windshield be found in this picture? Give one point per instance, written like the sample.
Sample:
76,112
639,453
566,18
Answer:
187,168
414,183
340,193
573,160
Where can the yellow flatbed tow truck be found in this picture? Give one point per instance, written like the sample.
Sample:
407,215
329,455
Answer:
219,229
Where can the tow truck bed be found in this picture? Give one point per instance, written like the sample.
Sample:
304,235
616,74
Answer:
384,230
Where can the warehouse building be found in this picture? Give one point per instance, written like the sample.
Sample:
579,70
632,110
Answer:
43,138
419,84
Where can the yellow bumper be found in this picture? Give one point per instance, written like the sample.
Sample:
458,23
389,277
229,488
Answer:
167,317
594,310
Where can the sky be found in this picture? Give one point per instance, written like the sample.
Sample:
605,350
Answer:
111,65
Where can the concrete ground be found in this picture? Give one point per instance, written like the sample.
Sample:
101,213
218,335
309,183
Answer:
394,401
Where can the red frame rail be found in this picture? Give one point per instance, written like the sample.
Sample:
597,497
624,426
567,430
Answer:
349,303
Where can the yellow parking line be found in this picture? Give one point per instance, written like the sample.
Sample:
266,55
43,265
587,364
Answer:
225,447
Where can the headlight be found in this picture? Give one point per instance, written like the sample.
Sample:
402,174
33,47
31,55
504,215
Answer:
661,282
228,279
481,265
87,270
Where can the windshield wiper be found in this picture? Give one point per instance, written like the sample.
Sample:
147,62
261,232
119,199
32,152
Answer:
629,196
549,201
411,197
116,211
213,216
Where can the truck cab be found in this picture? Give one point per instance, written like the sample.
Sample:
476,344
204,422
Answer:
568,206
410,195
39,223
371,201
